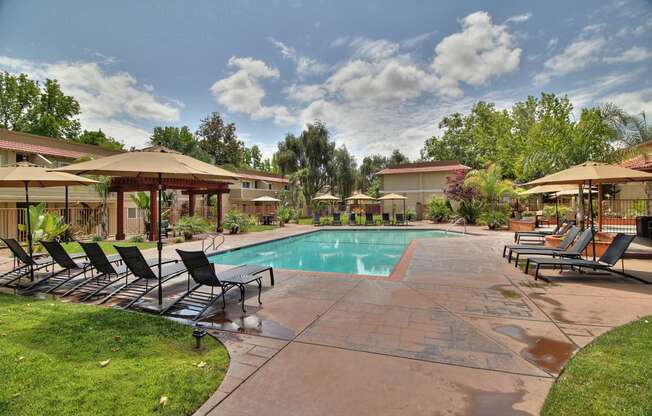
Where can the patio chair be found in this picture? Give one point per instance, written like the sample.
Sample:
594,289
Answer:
22,262
70,268
316,220
571,235
575,251
202,272
368,218
606,262
352,220
108,271
400,219
145,276
337,218
385,217
560,229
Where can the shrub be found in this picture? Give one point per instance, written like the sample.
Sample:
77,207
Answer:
44,225
178,240
470,210
237,222
439,209
494,218
191,225
96,238
410,214
137,239
285,214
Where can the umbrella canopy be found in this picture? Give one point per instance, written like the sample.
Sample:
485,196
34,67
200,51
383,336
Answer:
545,189
265,198
594,172
392,197
23,173
153,162
360,197
326,197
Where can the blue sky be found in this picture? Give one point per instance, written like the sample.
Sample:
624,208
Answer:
381,74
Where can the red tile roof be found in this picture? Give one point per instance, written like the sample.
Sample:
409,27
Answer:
424,167
260,176
640,162
44,150
48,146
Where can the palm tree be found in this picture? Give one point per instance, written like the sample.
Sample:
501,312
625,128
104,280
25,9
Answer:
142,202
490,183
102,189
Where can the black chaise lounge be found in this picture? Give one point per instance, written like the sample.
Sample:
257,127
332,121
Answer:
385,217
574,252
352,220
22,263
70,269
570,236
316,220
400,219
202,272
337,219
538,236
606,262
145,276
108,272
368,218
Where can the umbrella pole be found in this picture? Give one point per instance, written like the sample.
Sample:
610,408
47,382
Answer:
557,207
404,215
592,219
29,232
159,244
65,217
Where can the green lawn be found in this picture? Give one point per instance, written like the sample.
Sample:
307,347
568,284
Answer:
259,227
53,361
305,221
611,376
107,246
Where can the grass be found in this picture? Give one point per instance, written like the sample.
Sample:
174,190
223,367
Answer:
305,221
259,227
51,354
611,376
107,246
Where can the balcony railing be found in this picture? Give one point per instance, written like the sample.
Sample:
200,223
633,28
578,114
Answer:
247,194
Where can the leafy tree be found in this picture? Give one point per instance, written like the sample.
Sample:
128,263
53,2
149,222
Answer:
179,139
344,172
98,138
370,166
28,107
312,151
252,157
219,141
397,158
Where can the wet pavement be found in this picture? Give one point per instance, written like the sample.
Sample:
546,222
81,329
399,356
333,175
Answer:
458,331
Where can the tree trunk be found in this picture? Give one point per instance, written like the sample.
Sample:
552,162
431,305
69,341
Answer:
104,232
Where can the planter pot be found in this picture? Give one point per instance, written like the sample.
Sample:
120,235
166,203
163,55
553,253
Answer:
602,241
187,236
521,225
553,241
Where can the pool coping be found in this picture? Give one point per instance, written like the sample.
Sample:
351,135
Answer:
397,272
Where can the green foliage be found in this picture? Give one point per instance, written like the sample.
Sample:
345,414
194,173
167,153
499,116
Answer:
43,339
397,158
490,184
285,214
98,138
219,141
237,222
179,139
470,210
344,172
138,238
44,225
410,214
96,238
493,218
327,220
439,209
142,201
190,225
369,182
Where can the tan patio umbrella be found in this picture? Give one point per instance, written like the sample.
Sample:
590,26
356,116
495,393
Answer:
327,197
360,197
593,173
24,175
265,199
394,197
155,162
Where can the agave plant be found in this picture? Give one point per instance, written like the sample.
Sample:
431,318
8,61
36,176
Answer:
44,225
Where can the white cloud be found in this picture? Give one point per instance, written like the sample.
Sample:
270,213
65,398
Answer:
520,18
633,54
373,49
305,93
107,100
304,64
478,53
416,40
552,43
241,91
582,52
634,102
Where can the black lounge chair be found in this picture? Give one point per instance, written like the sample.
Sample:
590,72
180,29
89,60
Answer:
316,220
337,219
23,263
575,251
538,236
606,262
70,268
570,236
368,219
400,219
385,218
145,276
352,220
203,273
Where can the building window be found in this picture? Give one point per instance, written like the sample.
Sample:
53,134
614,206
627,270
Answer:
22,158
286,187
246,185
133,213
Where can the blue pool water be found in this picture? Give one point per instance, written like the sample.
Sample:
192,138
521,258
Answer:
367,252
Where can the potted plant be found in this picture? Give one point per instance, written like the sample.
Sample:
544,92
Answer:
237,222
191,225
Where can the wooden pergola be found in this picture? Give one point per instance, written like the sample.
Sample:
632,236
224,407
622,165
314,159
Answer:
190,187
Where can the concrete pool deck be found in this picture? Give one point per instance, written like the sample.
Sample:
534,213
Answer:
460,332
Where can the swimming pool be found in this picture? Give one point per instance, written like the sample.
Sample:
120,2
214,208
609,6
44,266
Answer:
366,252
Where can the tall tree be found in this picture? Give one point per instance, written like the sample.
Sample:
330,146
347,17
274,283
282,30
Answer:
312,151
98,138
344,171
219,141
370,166
180,139
18,95
397,158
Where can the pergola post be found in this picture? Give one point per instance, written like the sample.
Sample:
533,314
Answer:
153,215
219,211
600,197
191,204
120,220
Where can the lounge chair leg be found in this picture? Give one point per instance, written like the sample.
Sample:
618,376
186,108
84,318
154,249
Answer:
260,289
271,276
504,250
242,293
536,272
527,266
518,255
